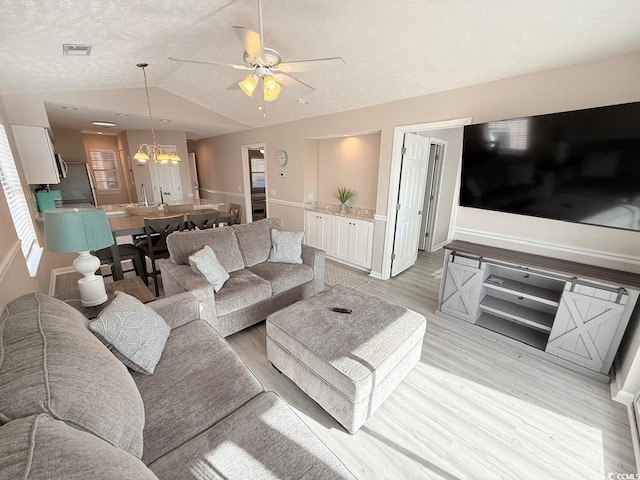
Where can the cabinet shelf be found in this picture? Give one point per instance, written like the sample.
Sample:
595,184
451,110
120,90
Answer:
517,313
532,292
531,337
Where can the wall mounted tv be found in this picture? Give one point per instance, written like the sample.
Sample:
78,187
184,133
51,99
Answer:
581,166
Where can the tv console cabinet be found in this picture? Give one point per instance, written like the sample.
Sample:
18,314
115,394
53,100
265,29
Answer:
572,314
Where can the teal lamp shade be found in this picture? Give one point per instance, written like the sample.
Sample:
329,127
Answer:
76,229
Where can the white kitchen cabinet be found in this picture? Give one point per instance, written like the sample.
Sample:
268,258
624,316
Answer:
353,241
36,154
570,313
344,239
318,231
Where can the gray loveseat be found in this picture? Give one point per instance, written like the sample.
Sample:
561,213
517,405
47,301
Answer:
69,409
256,287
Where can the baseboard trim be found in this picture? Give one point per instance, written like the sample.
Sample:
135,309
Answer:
54,273
376,275
635,438
9,258
549,246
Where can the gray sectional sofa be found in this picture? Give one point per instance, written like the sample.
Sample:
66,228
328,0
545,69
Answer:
256,287
69,409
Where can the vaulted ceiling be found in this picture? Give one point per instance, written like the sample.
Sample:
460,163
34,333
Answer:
392,49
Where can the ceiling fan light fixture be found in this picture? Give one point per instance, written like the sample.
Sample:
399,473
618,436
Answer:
248,84
271,88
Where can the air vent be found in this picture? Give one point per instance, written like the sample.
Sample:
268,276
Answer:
76,50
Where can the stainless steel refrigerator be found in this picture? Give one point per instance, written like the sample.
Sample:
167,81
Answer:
79,187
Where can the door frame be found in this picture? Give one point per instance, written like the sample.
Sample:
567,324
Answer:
246,179
437,186
394,182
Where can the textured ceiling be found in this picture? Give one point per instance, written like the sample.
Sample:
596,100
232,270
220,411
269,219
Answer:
393,49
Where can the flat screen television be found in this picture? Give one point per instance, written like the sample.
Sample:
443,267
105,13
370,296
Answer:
581,166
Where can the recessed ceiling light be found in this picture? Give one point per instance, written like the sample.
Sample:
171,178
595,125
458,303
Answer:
103,124
100,133
346,135
122,114
69,108
164,120
302,102
76,49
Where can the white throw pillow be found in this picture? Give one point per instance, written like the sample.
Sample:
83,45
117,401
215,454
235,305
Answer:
204,262
286,246
135,333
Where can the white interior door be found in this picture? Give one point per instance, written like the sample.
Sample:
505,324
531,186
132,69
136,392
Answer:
413,176
193,172
437,151
166,180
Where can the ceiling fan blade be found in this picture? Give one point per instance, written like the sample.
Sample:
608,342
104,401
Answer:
290,81
252,44
306,65
208,62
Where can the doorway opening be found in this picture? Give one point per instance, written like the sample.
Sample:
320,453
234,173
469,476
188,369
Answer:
421,210
254,168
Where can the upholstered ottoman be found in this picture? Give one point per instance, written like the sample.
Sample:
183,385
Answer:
348,363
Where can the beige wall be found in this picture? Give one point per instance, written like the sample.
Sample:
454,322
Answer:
349,162
604,82
107,142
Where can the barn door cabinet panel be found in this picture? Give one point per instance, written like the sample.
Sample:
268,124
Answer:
37,155
570,313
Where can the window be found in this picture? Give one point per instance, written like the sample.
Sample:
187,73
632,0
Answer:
16,200
104,164
258,174
510,134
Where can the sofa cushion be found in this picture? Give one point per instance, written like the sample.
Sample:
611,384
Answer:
241,290
264,439
51,363
254,240
286,246
283,276
222,241
41,448
135,333
204,262
199,381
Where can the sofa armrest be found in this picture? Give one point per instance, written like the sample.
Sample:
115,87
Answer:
177,310
177,279
314,257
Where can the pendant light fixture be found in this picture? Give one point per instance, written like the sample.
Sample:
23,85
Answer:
154,151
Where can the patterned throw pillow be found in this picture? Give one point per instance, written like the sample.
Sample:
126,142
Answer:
204,262
135,333
286,246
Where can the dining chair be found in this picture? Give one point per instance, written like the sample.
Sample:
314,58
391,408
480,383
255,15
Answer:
127,251
178,207
202,221
235,211
157,231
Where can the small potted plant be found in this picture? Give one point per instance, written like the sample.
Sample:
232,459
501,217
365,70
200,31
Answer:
344,194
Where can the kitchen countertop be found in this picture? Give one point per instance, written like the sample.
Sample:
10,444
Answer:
118,210
341,213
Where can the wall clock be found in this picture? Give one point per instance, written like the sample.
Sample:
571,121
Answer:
282,157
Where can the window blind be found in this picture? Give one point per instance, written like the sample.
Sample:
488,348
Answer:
13,192
104,164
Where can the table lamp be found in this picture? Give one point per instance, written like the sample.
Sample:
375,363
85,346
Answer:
80,230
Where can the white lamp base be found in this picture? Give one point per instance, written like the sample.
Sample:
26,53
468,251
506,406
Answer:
92,291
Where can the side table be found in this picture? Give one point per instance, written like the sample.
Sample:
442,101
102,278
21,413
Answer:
132,286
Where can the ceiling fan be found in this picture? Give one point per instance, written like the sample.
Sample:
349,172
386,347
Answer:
265,64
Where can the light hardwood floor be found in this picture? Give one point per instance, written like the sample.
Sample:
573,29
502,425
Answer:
473,408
